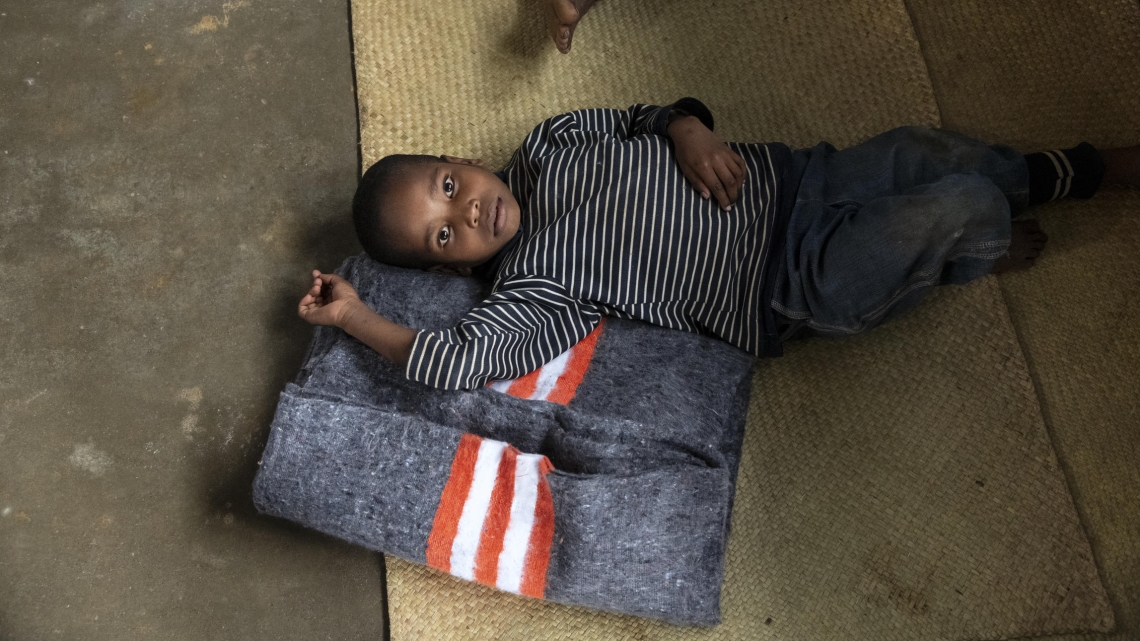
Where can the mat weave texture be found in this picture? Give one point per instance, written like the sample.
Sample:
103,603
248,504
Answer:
916,499
1036,73
1076,311
473,79
1042,74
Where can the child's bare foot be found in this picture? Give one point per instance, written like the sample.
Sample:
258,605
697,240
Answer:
1025,244
562,18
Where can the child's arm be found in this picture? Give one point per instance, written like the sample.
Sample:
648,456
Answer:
520,327
573,128
709,165
517,330
332,301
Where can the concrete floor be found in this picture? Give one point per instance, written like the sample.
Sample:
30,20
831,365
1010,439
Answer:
169,171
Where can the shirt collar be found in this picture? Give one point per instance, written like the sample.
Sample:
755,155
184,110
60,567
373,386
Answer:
489,269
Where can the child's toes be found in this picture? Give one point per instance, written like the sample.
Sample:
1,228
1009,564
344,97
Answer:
561,18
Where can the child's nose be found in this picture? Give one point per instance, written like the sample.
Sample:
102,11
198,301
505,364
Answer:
473,213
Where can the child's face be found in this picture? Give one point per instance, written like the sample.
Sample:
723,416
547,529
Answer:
450,215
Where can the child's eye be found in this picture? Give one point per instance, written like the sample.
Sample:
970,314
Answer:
448,186
444,235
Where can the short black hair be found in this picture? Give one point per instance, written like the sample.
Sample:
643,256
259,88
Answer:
366,205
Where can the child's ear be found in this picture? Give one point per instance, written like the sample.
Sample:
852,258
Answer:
450,270
475,162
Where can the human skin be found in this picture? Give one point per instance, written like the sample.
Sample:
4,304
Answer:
449,216
452,215
562,18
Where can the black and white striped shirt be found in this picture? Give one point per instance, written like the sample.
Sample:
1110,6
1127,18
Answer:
611,227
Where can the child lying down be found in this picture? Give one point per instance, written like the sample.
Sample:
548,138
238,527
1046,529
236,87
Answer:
648,214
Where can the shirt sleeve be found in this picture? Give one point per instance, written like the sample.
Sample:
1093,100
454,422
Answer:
587,126
519,328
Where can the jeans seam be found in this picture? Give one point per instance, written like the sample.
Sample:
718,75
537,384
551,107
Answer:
789,313
926,280
880,310
969,250
974,250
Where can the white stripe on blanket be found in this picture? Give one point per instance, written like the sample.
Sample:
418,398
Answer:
516,540
466,544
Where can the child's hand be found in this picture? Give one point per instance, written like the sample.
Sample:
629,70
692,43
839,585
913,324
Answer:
328,301
710,166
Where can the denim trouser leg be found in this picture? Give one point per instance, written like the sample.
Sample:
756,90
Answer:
875,226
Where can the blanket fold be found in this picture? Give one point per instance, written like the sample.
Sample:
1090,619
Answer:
614,495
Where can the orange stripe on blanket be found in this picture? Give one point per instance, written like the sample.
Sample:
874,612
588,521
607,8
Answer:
495,520
498,517
524,386
558,380
451,502
576,369
541,539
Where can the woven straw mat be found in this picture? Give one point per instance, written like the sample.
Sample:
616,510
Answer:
1043,74
1076,311
899,485
1035,73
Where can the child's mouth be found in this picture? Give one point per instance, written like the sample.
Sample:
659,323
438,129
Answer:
498,220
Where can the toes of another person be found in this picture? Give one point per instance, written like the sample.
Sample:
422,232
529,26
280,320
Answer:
561,37
562,17
565,11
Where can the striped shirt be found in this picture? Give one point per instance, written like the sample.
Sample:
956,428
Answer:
611,227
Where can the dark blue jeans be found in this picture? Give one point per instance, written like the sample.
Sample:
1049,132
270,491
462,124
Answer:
875,226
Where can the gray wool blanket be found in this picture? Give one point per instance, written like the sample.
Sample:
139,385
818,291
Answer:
604,479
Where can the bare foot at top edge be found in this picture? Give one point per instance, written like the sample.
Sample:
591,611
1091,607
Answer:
1025,244
562,18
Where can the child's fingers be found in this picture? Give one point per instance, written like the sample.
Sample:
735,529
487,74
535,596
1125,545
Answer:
721,194
739,168
735,164
700,186
733,161
730,181
708,176
333,280
718,182
313,298
328,282
734,169
303,307
695,181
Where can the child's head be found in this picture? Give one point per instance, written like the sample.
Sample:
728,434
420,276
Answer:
443,214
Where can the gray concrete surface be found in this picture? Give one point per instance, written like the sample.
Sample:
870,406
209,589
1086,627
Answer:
169,170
